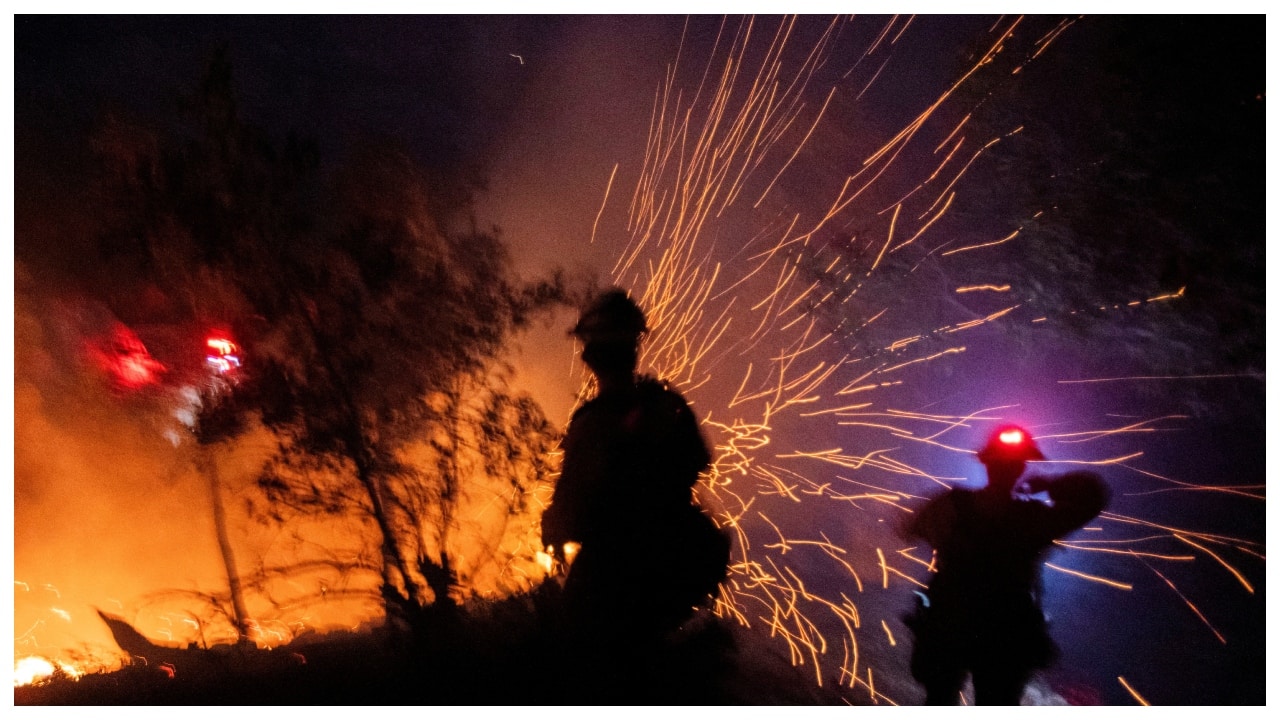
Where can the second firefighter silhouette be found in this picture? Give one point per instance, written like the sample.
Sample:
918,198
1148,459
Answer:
982,613
632,455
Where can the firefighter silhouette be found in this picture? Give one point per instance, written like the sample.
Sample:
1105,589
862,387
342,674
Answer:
982,614
632,454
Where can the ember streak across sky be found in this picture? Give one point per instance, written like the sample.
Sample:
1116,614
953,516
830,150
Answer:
561,132
790,560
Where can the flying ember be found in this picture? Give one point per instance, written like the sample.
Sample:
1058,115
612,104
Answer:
854,257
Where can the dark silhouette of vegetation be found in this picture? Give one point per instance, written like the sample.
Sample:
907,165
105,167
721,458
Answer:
492,652
372,316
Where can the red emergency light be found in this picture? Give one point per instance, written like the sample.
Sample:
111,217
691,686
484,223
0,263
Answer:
224,355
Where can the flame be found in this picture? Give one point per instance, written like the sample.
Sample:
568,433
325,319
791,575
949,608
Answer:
546,559
32,670
708,314
36,670
570,552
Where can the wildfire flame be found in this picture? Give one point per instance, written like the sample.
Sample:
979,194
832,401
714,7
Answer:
752,314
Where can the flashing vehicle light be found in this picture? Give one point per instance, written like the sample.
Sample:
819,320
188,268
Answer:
223,355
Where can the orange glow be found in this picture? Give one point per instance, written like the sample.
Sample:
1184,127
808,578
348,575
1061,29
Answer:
32,670
759,313
571,551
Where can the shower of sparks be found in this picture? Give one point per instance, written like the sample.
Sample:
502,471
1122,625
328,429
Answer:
745,309
718,260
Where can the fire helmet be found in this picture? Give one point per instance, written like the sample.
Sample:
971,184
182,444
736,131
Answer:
612,317
1010,443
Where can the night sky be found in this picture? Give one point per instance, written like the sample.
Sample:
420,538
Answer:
1131,160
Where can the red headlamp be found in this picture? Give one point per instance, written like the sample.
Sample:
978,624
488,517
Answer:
1010,443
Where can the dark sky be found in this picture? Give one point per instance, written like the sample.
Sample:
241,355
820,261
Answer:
1143,146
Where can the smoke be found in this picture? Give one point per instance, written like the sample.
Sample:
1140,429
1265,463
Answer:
110,508
112,511
118,512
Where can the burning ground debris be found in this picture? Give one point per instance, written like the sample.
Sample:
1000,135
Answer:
190,222
504,652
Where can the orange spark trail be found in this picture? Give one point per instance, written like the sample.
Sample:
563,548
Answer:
1141,700
1191,605
735,293
1086,576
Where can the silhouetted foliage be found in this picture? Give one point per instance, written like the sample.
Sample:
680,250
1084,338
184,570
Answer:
372,316
493,652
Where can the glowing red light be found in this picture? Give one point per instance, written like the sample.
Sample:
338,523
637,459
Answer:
1012,437
135,371
221,346
224,355
126,360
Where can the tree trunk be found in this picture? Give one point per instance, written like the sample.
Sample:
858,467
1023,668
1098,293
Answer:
209,468
392,557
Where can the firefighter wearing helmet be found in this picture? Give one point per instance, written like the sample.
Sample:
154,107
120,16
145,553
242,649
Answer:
632,454
982,617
